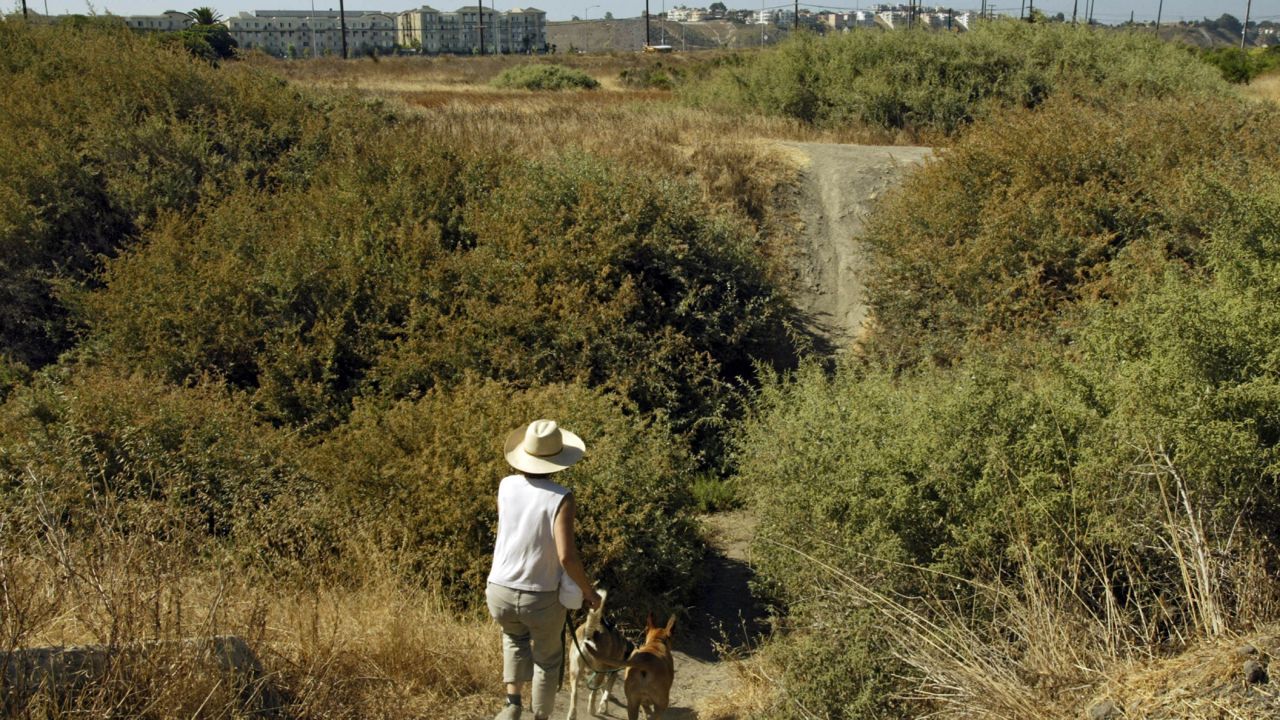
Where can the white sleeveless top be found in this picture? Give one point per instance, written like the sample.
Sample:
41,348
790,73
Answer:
525,557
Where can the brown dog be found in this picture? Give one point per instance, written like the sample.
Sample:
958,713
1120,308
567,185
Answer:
650,671
599,649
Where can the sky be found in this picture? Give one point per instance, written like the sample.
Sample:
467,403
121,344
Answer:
1107,11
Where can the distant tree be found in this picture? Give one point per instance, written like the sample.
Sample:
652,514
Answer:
1229,23
208,31
718,7
205,16
575,18
608,15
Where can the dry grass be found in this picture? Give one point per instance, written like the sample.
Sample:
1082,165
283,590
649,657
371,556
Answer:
1266,87
376,648
1203,683
754,692
1038,646
454,70
733,159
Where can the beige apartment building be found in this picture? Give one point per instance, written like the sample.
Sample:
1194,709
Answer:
168,22
518,30
306,33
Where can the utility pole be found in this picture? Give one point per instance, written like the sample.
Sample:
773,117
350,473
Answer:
24,9
342,20
1075,7
646,23
480,14
1031,10
1159,12
1244,31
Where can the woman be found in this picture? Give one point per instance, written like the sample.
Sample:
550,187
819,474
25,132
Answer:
535,548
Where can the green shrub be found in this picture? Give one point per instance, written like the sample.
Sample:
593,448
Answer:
656,76
77,447
1033,213
714,494
422,476
104,131
1144,404
1241,66
443,266
543,76
939,83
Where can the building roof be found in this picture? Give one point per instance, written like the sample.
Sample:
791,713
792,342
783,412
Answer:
316,13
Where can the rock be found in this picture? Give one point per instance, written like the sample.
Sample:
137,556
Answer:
1246,651
1255,673
1104,710
66,672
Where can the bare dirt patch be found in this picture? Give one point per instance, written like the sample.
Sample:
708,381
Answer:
838,186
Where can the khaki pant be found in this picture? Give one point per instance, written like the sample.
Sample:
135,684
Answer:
532,643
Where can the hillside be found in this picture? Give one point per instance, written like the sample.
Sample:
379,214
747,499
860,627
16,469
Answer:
1200,36
627,34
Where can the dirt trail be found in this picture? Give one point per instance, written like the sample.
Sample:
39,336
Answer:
838,186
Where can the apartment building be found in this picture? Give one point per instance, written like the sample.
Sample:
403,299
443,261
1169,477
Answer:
847,20
518,30
168,22
684,14
306,33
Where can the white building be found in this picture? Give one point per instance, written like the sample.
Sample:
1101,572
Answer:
847,20
684,14
893,19
518,30
679,14
302,33
168,22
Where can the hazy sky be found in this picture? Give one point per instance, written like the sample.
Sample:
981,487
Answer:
1109,11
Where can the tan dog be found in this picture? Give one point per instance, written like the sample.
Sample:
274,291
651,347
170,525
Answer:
604,651
650,671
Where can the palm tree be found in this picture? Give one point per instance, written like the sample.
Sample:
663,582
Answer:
205,16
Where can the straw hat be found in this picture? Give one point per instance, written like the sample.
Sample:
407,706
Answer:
542,448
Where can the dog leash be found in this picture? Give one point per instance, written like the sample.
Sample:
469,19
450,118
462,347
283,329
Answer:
595,678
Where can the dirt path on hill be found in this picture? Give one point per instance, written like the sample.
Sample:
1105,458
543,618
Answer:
838,186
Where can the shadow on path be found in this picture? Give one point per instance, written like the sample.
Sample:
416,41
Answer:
725,616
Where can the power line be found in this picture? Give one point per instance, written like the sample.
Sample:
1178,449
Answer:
342,15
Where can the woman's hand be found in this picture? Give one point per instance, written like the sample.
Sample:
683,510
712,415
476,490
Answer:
591,598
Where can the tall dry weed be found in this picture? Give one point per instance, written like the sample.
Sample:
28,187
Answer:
147,610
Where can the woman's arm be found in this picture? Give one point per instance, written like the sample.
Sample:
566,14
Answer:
567,549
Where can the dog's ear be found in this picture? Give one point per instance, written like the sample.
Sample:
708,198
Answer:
650,623
671,622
